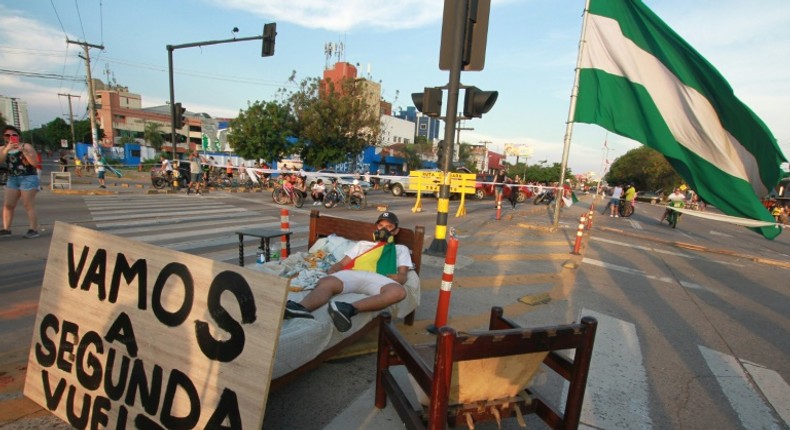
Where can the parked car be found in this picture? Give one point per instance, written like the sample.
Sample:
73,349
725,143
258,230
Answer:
652,197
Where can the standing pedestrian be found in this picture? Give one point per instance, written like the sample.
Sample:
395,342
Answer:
78,166
195,172
23,181
499,184
99,165
614,202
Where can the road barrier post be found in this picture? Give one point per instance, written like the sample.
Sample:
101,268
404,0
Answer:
443,306
579,233
285,225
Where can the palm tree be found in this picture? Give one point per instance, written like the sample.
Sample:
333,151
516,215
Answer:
153,136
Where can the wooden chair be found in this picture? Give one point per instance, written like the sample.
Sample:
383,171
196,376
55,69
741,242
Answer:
485,375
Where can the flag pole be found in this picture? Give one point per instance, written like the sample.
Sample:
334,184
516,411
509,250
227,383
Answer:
569,124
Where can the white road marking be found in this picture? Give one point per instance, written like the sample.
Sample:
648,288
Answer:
642,273
661,251
644,248
734,382
635,224
773,387
617,394
717,233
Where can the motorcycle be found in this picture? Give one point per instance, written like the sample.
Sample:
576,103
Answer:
546,197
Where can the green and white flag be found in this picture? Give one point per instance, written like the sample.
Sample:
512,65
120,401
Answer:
639,79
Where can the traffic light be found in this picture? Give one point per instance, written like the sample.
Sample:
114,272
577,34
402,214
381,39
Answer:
428,102
178,115
441,147
269,34
478,102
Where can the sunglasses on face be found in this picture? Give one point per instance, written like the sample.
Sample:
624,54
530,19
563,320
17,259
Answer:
10,134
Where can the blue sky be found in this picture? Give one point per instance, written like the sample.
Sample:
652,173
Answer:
530,60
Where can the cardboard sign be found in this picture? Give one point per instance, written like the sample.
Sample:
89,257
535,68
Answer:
130,335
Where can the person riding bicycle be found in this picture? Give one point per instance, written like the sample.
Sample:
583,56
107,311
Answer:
355,188
676,196
167,168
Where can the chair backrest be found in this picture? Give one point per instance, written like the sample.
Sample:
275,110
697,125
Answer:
486,375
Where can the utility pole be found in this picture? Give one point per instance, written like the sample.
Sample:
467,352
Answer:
71,121
91,93
457,147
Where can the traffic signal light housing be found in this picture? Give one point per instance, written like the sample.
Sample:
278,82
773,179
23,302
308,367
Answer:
428,102
478,102
180,120
441,147
269,34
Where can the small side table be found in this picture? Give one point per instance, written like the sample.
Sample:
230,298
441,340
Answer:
265,235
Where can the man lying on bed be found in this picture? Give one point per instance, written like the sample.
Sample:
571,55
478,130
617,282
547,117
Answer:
377,269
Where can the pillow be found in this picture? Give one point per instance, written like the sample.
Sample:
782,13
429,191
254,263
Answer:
333,244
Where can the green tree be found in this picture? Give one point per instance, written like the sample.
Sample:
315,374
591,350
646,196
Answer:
333,123
465,157
153,135
644,167
413,157
261,132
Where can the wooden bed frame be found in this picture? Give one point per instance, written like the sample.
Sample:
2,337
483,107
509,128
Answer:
323,226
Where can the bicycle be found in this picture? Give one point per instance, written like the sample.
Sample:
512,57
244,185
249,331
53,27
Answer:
284,196
626,208
673,215
354,201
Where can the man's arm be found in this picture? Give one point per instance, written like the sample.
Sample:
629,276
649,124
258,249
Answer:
401,276
339,265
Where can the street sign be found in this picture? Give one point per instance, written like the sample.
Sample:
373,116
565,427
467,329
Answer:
429,181
64,143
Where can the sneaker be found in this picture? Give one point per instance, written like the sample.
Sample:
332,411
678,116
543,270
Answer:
611,216
31,234
5,233
198,193
102,186
617,216
341,314
296,310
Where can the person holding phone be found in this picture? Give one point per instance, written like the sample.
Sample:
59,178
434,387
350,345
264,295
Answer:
23,181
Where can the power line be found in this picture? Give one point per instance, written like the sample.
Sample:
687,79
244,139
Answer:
38,75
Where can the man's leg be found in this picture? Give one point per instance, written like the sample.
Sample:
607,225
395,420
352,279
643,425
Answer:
327,287
390,294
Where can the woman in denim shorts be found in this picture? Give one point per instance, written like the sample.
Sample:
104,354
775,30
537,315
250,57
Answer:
23,181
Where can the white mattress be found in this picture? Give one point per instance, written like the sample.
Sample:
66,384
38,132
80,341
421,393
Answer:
302,339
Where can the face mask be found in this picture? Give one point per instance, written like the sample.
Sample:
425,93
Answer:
382,235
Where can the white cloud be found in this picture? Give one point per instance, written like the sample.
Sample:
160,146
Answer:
343,15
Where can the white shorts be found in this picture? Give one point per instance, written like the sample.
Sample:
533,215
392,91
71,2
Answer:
359,281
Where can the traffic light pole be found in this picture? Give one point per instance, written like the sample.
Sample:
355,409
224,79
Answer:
438,246
170,49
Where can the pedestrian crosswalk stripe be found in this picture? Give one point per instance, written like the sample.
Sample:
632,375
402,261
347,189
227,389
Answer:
734,382
617,394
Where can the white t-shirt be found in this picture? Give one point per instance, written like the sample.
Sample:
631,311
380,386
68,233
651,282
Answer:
617,192
676,197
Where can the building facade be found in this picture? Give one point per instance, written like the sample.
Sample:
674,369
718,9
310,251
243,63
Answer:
14,111
120,113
